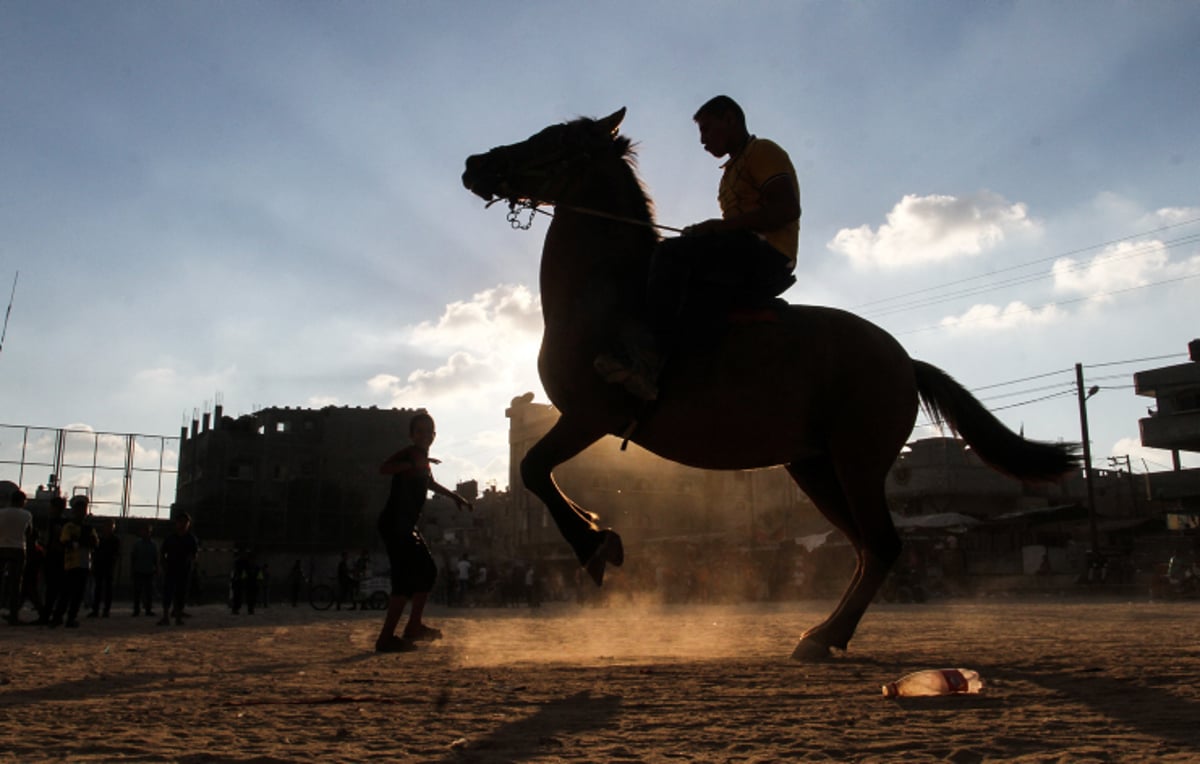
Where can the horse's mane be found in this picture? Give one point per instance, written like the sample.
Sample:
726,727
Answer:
626,150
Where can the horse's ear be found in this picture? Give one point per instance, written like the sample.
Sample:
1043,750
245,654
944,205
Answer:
613,121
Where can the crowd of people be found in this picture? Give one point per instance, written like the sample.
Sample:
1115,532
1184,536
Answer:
68,560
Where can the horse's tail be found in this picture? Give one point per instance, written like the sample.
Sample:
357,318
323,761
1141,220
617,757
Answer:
945,400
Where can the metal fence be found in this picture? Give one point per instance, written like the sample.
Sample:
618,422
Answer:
123,474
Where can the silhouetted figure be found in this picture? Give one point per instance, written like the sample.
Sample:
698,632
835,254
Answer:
264,584
296,583
53,571
178,554
16,534
35,559
413,570
79,541
104,568
143,563
745,256
245,581
347,584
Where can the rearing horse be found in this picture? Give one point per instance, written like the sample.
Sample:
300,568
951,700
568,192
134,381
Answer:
819,390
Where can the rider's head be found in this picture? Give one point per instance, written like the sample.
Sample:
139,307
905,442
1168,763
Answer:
722,125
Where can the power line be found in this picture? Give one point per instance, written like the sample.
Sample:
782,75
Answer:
1024,379
1028,391
1029,264
1034,400
1030,309
1134,360
1028,279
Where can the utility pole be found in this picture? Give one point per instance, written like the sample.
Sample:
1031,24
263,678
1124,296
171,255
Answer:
1087,456
1116,462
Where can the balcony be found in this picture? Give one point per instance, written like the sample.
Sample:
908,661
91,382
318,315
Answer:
1173,486
1172,431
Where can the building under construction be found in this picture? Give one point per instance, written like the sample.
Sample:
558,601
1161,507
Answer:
289,478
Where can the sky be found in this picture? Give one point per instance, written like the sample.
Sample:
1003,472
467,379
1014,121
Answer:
260,203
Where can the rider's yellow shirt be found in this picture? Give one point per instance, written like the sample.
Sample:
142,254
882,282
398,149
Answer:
760,162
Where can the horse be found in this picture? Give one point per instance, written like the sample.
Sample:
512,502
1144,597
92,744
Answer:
825,393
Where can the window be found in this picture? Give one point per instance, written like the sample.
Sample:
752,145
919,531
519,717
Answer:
240,470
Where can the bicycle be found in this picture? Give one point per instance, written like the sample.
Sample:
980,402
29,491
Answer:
321,596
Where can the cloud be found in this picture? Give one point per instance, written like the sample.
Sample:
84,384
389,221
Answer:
1172,215
490,342
504,314
489,346
936,228
1121,266
1143,459
321,401
1012,316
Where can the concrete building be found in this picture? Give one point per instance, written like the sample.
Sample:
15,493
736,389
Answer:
941,492
647,499
289,478
1174,425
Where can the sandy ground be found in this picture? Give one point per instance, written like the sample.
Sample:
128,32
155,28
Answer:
1071,680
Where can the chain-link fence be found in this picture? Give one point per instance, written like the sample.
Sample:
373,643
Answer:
123,474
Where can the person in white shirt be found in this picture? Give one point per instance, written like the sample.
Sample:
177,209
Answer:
464,579
16,527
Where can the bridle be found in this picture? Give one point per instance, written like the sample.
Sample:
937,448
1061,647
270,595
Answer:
544,169
516,209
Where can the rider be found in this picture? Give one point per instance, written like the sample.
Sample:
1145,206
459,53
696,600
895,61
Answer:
748,253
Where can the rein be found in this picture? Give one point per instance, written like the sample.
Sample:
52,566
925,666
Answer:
515,210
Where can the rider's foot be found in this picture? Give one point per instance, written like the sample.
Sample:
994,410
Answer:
638,380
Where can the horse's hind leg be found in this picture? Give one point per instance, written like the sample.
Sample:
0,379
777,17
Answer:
593,546
859,510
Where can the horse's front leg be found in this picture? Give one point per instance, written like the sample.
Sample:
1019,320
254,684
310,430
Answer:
595,547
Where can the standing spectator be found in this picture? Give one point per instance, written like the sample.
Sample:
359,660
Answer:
531,587
104,567
362,566
237,579
264,584
464,578
245,581
346,583
16,530
79,541
143,562
52,567
35,558
178,554
296,583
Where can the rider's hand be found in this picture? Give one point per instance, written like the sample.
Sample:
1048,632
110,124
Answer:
712,225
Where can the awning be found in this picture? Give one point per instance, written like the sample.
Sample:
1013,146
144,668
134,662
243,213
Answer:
936,521
1056,514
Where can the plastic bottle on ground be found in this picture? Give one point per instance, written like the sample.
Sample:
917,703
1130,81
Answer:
931,682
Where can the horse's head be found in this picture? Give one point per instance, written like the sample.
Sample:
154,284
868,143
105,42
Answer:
544,167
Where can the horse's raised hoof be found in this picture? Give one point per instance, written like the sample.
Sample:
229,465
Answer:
609,550
811,651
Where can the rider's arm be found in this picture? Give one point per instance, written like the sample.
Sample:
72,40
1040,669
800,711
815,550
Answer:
780,206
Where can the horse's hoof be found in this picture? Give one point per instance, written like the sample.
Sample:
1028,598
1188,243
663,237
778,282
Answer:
609,550
811,651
